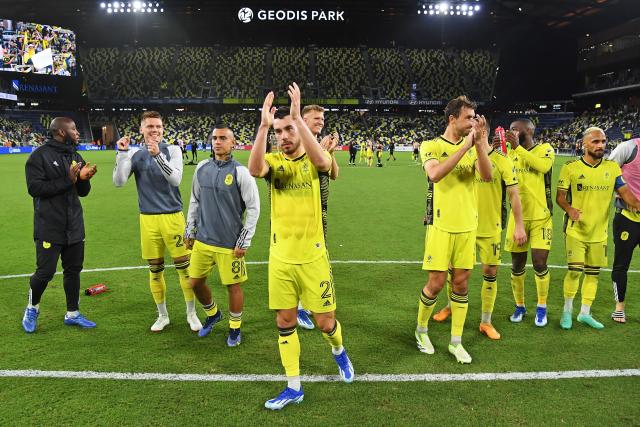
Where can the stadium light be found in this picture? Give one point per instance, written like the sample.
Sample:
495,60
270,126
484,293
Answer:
109,10
116,5
103,5
449,7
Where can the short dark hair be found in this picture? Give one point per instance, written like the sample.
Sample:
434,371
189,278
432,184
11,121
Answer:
454,107
528,122
282,112
150,115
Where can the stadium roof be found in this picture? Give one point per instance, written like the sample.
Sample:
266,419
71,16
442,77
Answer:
396,19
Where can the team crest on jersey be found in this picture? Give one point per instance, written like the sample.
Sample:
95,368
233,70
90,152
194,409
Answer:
305,168
228,179
47,245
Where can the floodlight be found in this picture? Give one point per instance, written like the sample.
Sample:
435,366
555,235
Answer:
103,5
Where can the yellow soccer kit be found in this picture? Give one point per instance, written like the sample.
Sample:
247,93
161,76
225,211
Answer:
492,207
533,171
451,209
589,189
161,231
232,270
297,235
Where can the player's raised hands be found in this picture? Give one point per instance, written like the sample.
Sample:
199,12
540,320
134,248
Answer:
123,143
330,142
481,131
268,110
74,169
294,94
153,147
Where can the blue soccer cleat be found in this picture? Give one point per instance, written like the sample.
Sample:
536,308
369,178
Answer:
235,337
209,322
304,320
30,320
79,320
541,316
518,314
345,366
288,396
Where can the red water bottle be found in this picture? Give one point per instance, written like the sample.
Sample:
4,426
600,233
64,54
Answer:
503,140
96,289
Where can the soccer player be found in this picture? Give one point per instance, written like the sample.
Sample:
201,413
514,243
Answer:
194,152
392,147
222,192
369,153
158,172
299,267
56,177
583,189
379,149
450,162
313,116
492,215
416,152
626,223
353,150
533,162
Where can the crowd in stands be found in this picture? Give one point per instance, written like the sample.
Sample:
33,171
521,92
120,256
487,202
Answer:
20,41
15,133
244,72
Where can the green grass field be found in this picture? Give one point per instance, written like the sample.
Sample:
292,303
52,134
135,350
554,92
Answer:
374,214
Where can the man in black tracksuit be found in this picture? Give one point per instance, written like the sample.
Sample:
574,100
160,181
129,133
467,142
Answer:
56,177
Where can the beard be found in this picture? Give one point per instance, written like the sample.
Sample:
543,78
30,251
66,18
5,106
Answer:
522,138
596,154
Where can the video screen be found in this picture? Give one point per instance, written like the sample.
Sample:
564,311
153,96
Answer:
36,48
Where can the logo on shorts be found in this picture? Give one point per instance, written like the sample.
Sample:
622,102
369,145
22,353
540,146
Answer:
228,179
326,304
624,235
245,15
47,245
429,259
236,277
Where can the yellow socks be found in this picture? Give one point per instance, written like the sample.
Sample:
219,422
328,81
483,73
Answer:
542,286
459,307
157,284
425,308
517,286
289,346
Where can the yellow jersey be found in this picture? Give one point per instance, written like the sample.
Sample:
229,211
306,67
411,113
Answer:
533,170
297,235
492,200
451,202
589,189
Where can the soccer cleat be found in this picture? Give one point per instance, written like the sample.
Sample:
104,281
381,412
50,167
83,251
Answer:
541,316
345,367
79,320
424,343
489,330
30,320
460,353
193,321
209,322
565,320
587,319
304,320
160,323
619,317
288,396
518,314
442,315
235,337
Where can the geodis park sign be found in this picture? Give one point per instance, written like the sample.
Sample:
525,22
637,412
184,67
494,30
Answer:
247,15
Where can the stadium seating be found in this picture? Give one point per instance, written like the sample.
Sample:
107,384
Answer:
192,71
98,66
16,133
239,72
390,73
341,72
290,64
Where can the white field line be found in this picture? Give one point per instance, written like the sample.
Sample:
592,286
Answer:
501,376
354,261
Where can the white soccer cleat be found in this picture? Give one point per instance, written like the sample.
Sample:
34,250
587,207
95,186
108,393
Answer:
194,322
424,343
460,353
160,323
